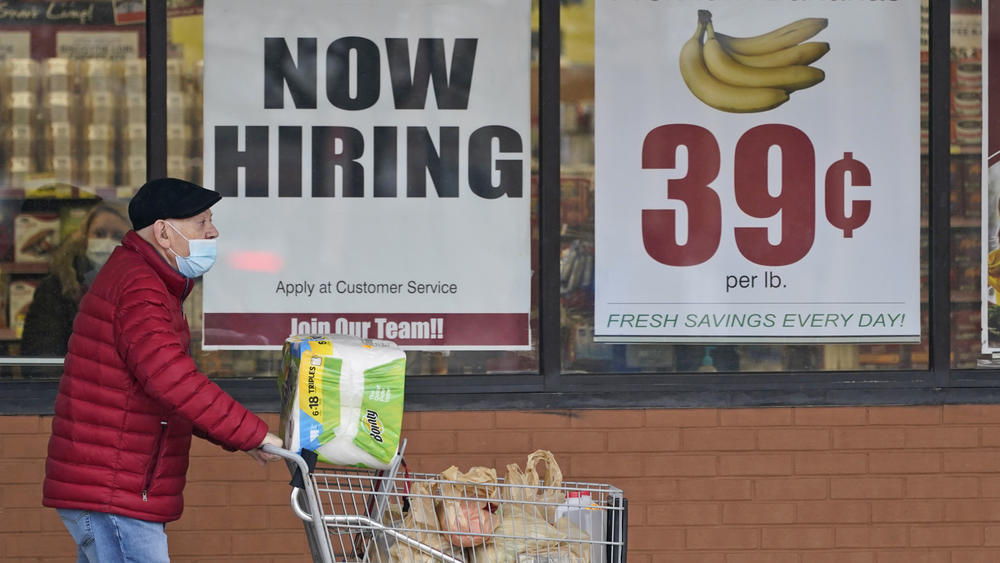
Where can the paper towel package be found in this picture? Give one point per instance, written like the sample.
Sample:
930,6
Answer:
342,397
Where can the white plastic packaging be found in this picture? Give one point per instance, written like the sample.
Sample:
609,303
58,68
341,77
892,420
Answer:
580,509
342,397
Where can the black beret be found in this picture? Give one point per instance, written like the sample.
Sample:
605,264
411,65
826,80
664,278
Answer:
168,198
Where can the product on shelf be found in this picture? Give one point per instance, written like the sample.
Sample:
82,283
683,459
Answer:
135,170
70,219
35,236
655,357
18,169
176,108
966,79
21,293
58,107
21,108
175,75
135,140
100,108
100,140
969,75
79,121
135,107
968,103
4,292
969,132
59,75
59,139
63,169
177,166
99,171
134,74
178,140
20,75
199,74
20,141
972,187
98,75
583,346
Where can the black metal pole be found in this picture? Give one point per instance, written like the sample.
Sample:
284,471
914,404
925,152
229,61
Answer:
939,222
156,89
549,341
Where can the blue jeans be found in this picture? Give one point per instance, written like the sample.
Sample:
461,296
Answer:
110,538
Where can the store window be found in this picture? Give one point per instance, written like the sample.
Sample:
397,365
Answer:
969,298
184,151
75,137
73,147
583,354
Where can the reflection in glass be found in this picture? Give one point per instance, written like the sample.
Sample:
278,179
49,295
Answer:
72,151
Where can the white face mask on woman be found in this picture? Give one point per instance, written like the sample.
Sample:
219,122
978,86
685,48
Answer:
99,250
200,258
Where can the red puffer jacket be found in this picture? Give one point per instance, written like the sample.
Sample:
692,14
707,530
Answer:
131,396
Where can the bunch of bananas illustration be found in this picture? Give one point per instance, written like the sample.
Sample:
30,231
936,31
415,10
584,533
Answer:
751,74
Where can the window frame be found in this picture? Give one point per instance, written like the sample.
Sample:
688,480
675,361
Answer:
940,383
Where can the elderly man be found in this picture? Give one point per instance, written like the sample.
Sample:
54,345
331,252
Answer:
131,396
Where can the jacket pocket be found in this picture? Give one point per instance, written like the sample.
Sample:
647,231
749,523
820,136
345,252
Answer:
155,461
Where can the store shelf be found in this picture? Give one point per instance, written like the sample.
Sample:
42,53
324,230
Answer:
965,223
966,150
68,193
879,359
957,298
24,267
959,223
966,297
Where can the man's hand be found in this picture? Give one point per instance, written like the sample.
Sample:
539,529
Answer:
263,457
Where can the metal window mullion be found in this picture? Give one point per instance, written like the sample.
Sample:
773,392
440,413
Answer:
939,221
549,340
156,89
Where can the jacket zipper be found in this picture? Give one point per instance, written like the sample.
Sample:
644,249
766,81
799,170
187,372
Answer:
156,459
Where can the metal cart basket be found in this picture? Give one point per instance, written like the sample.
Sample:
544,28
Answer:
389,516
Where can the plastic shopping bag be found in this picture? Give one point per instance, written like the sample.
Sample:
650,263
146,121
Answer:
468,501
528,531
421,524
533,488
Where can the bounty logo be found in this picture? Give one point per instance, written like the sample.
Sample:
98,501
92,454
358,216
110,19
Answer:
374,425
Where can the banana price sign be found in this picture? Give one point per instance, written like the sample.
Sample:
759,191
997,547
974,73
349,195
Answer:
757,171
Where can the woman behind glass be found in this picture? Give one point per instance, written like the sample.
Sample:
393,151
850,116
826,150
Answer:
49,320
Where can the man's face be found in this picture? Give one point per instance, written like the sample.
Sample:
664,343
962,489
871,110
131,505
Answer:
199,226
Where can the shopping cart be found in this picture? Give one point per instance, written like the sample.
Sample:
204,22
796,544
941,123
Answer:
389,516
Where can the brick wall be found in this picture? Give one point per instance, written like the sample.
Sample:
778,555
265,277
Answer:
778,485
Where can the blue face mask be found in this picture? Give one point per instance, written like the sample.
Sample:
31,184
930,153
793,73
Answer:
200,259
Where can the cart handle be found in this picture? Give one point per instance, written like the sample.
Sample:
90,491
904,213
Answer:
287,454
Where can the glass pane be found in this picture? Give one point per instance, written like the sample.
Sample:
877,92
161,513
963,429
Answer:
969,227
185,136
73,149
581,353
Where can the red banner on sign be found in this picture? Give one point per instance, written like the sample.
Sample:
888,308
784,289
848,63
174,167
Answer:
447,330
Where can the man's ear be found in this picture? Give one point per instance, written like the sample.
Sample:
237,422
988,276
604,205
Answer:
160,234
